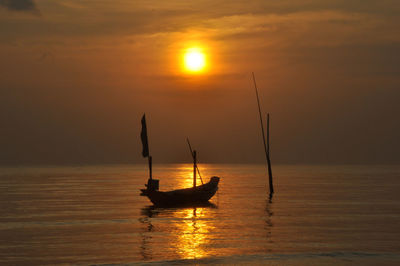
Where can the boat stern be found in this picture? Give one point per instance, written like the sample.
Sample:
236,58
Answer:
152,185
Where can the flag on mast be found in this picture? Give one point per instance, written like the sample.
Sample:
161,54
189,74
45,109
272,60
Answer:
143,136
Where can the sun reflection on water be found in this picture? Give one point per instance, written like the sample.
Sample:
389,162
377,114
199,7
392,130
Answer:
193,233
194,227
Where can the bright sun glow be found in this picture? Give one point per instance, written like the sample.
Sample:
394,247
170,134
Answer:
194,60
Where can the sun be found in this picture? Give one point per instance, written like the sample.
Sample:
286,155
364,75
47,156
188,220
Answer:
194,60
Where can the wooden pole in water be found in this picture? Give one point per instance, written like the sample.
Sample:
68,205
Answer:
271,185
266,149
194,168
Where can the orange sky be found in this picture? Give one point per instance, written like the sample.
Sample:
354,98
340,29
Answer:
76,77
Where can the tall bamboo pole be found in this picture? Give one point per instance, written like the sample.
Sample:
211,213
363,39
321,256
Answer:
271,185
266,148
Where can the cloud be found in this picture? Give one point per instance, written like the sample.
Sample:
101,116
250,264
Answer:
19,5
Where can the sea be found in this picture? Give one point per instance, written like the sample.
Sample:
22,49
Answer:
94,215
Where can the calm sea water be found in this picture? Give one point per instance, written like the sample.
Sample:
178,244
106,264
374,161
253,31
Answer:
321,215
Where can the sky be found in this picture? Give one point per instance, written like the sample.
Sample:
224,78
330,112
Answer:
76,77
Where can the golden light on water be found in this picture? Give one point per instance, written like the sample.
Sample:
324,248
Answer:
194,231
194,60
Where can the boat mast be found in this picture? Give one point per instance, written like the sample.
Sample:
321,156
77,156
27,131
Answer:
194,168
191,153
266,145
150,168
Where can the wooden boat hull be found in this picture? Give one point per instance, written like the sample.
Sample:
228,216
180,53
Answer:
185,196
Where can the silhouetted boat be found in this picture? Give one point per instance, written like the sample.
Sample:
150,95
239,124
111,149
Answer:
186,196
